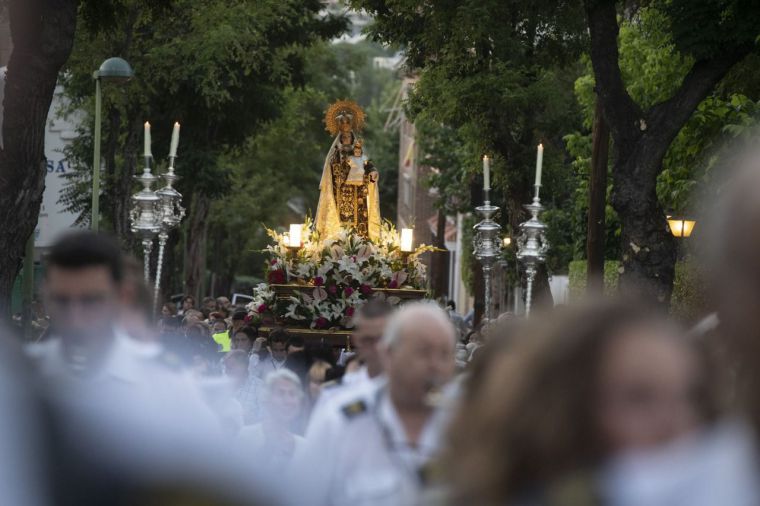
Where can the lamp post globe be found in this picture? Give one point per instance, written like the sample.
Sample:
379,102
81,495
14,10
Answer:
115,69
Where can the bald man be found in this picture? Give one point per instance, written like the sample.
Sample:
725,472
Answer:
377,450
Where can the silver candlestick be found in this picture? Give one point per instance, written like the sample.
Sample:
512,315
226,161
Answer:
145,215
172,212
532,245
487,246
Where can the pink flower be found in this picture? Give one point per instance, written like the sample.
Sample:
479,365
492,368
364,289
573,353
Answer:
332,289
348,291
349,311
321,322
393,284
318,281
365,289
262,308
273,262
248,319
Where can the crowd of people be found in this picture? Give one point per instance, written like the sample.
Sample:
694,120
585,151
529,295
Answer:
605,402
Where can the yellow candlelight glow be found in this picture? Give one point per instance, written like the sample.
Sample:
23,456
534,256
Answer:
406,240
295,235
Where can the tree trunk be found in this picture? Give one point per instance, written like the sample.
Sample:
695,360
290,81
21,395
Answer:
641,139
648,247
439,274
43,35
597,195
195,246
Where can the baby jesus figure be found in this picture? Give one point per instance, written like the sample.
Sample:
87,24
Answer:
359,166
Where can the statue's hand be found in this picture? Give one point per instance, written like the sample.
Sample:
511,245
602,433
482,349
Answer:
374,176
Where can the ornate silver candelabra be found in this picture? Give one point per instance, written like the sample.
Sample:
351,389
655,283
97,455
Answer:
487,246
171,214
145,215
532,245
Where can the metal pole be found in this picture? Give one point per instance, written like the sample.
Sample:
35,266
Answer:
487,248
94,225
487,282
147,248
532,246
530,272
162,237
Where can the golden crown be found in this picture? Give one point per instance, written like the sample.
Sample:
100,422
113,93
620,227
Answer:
347,108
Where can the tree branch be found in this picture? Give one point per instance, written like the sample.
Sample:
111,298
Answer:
668,117
620,110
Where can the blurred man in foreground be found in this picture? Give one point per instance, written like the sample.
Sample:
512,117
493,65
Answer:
129,420
380,449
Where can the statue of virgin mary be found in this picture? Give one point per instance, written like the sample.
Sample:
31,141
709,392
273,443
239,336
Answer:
348,193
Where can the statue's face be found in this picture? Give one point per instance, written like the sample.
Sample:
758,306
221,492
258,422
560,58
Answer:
344,122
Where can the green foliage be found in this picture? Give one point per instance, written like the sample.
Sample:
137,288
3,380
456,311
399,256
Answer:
218,67
493,77
651,65
577,278
722,25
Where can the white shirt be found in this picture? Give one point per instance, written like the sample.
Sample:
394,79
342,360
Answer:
134,417
329,405
126,374
363,458
360,374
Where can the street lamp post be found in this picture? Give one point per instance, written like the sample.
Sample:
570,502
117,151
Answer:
117,70
532,246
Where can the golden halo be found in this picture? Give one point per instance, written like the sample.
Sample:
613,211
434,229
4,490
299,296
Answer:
341,107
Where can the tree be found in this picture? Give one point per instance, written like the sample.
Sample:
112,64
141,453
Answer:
642,135
218,67
497,76
42,33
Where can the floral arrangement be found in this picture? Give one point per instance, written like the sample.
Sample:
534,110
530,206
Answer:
344,270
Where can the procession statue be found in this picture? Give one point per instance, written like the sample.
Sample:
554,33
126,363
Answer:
348,191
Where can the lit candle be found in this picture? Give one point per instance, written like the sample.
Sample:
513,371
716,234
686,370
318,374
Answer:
406,240
539,163
295,235
175,140
147,140
486,173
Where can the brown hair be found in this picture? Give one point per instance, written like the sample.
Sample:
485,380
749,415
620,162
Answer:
527,418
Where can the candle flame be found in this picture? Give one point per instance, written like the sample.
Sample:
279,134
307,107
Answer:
147,124
176,123
540,145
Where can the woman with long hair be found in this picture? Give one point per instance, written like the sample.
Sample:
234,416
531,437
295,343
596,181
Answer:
542,414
